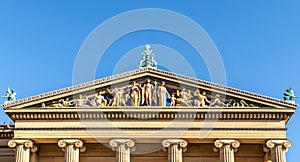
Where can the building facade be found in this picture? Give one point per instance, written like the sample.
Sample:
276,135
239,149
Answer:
146,115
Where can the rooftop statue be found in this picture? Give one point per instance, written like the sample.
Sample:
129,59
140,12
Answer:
289,95
148,58
10,95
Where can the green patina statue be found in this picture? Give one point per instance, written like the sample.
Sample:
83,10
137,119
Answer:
10,95
289,95
148,58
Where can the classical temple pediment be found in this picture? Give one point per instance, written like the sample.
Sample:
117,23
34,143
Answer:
149,87
153,109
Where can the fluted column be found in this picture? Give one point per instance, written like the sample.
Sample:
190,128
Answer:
23,149
227,149
175,148
122,147
278,149
71,147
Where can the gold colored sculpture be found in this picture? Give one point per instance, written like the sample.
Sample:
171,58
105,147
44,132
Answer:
100,100
147,89
217,102
173,100
147,94
201,98
162,92
184,97
81,101
135,94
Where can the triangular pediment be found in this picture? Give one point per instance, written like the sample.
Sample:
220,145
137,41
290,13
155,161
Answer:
178,90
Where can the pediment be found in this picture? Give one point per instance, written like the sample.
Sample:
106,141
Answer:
144,87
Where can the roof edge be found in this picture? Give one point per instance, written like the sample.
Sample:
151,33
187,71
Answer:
138,71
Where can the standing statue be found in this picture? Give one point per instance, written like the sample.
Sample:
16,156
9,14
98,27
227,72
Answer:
135,94
10,95
112,100
201,98
147,92
173,100
162,92
155,94
289,95
118,97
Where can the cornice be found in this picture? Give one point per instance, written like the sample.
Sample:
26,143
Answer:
157,113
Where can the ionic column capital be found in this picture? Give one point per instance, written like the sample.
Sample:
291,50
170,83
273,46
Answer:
116,142
278,149
222,142
27,144
23,147
284,143
179,142
227,147
75,142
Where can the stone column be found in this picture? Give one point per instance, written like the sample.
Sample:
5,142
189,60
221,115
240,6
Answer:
122,147
175,148
23,149
278,149
227,149
71,147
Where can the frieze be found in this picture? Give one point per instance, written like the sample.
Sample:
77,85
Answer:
150,93
180,100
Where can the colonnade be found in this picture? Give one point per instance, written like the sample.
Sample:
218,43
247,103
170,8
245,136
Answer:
26,149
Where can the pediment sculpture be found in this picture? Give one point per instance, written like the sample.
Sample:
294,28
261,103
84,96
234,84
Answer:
150,93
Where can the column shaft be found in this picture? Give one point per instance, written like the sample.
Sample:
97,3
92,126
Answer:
278,149
175,148
227,154
71,148
22,154
227,149
175,154
278,154
122,147
22,148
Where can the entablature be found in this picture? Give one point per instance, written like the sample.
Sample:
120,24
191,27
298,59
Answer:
151,113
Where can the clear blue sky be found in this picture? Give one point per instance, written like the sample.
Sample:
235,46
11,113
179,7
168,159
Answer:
259,42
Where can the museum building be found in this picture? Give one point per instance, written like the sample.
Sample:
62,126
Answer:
146,115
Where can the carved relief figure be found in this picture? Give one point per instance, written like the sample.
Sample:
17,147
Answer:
173,100
119,98
238,103
100,100
81,101
147,92
155,93
162,92
201,98
184,96
67,103
217,102
112,95
135,94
